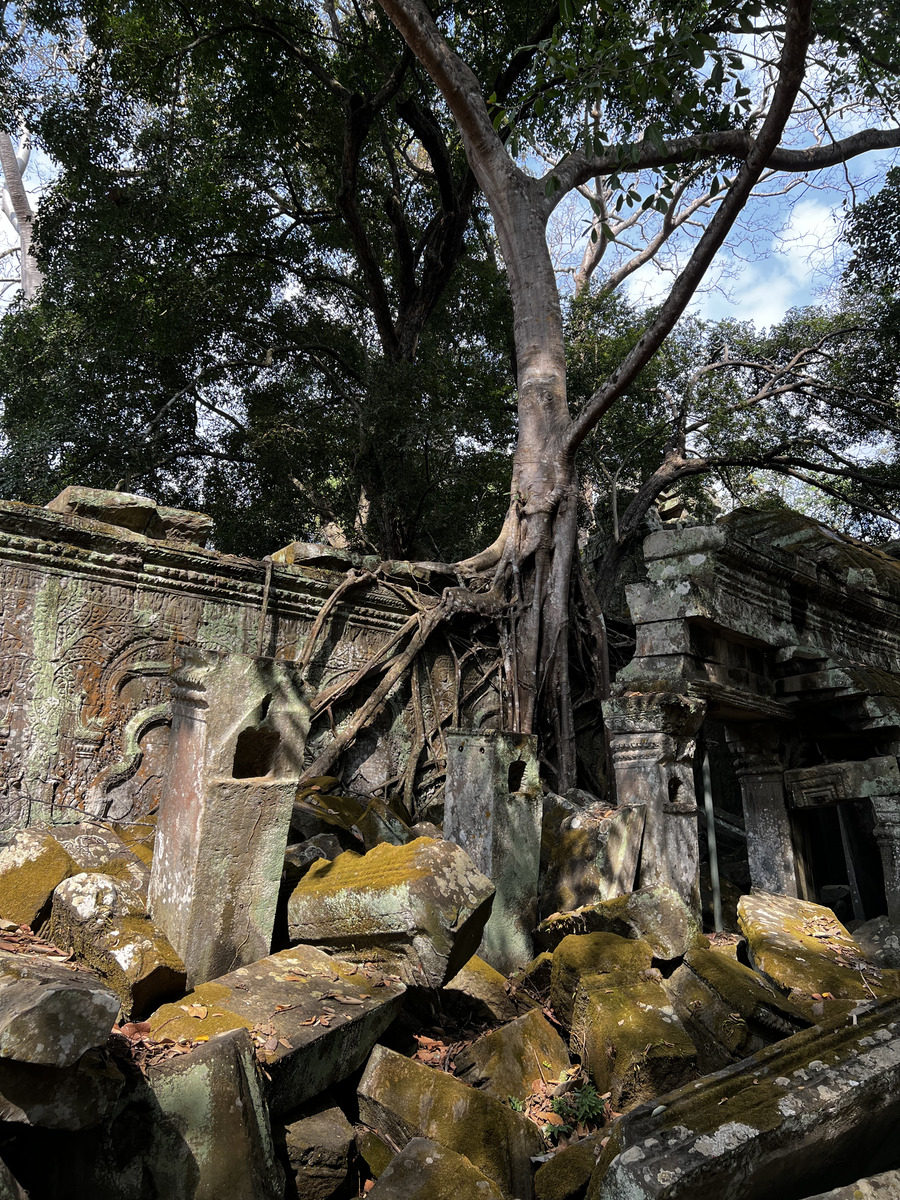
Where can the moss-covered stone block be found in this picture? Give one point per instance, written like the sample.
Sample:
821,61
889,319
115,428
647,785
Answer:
320,1143
315,1017
507,1062
405,1100
630,1040
419,909
424,1170
656,915
127,951
494,996
582,956
31,866
567,1174
804,949
728,1010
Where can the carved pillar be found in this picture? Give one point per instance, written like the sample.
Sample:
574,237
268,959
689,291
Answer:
887,834
239,728
770,845
652,741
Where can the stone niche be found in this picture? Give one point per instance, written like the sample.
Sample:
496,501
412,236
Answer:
100,593
783,635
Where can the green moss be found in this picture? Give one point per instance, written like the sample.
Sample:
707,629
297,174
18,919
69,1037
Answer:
374,1149
581,956
172,1021
27,886
567,1174
383,868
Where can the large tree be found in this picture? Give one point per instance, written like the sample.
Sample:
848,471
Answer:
638,90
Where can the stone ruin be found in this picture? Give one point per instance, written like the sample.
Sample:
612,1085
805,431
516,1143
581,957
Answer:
313,996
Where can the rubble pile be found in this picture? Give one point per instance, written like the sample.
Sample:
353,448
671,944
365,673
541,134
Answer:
376,1052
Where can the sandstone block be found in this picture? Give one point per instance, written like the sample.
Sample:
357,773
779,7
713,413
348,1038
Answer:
315,1016
885,1186
879,940
804,949
30,868
97,848
488,991
320,1145
594,856
656,915
424,1170
81,1096
127,951
728,1010
567,1174
212,1098
407,1100
420,909
787,1121
615,960
51,1015
507,1061
630,1040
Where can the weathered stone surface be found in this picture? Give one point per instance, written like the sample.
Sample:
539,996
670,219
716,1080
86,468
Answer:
480,982
238,733
567,1174
790,1120
613,959
492,808
424,1170
885,1186
320,807
300,856
98,848
320,1145
879,940
594,857
507,1061
182,525
374,1150
10,1189
138,836
420,909
329,1012
102,504
77,1097
49,1014
30,868
127,951
656,915
728,1010
630,1040
212,1098
804,949
406,1100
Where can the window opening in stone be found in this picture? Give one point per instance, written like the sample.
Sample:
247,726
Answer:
674,788
254,754
515,775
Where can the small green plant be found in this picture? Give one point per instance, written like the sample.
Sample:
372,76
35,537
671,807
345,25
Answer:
515,1105
581,1106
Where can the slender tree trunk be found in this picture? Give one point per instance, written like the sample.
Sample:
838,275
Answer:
31,277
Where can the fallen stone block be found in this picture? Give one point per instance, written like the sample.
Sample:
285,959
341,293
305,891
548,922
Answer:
81,1096
31,866
419,909
371,821
300,856
424,1170
885,1186
594,855
406,1100
138,836
567,1174
49,1014
212,1098
492,993
788,1121
805,950
507,1061
879,940
728,1010
320,1146
127,951
656,915
578,957
315,1018
630,1040
98,848
374,1150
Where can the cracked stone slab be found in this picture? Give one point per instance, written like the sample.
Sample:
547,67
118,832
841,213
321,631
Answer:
315,1017
783,1121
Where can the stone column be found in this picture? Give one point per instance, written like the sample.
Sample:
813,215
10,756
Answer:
492,808
887,834
770,845
652,741
239,728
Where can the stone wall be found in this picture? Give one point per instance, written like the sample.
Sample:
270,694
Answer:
93,616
